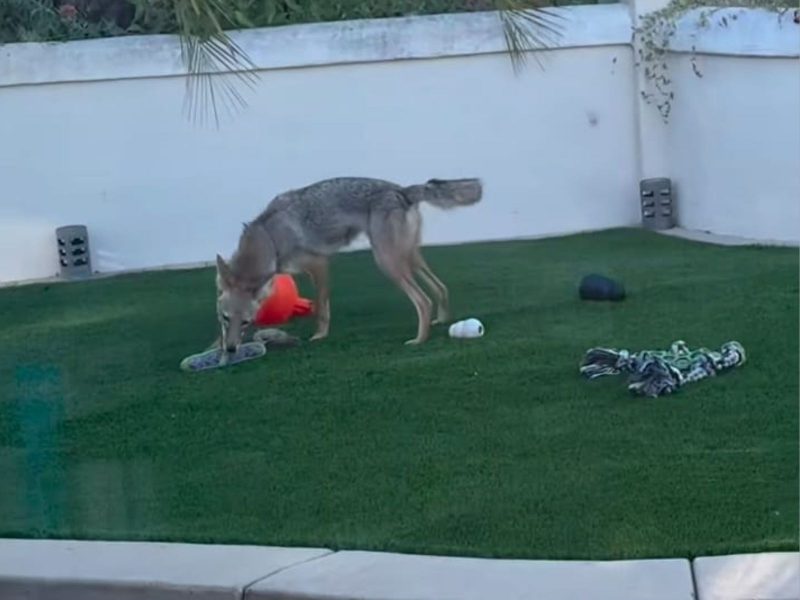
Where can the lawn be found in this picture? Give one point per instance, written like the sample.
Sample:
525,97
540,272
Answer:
491,447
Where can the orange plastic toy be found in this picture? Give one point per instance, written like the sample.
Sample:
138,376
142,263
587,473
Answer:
283,304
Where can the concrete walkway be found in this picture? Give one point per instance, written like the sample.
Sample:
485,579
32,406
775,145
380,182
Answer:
71,570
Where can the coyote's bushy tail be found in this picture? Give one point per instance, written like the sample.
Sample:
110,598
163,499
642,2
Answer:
446,193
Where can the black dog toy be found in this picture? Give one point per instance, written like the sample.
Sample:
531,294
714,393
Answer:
598,287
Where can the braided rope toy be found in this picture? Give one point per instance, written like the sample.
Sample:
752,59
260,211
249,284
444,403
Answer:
655,373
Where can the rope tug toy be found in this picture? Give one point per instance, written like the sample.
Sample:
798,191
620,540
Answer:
655,373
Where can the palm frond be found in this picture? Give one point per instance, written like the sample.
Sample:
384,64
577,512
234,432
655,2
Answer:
215,64
528,26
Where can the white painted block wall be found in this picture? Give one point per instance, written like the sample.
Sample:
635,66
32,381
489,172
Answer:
734,132
554,146
737,150
93,133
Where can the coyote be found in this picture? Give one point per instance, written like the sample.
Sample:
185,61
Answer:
300,229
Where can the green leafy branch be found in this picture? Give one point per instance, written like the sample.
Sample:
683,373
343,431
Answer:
655,32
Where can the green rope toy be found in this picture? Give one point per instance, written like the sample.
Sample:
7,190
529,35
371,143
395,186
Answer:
655,373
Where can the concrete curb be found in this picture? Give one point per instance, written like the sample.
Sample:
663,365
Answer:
769,576
378,576
78,570
725,240
108,274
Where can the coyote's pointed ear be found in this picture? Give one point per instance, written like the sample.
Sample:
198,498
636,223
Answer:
224,272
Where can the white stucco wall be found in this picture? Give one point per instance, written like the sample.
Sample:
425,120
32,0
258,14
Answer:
554,147
734,133
93,133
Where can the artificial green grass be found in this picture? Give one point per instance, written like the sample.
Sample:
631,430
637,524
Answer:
491,447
